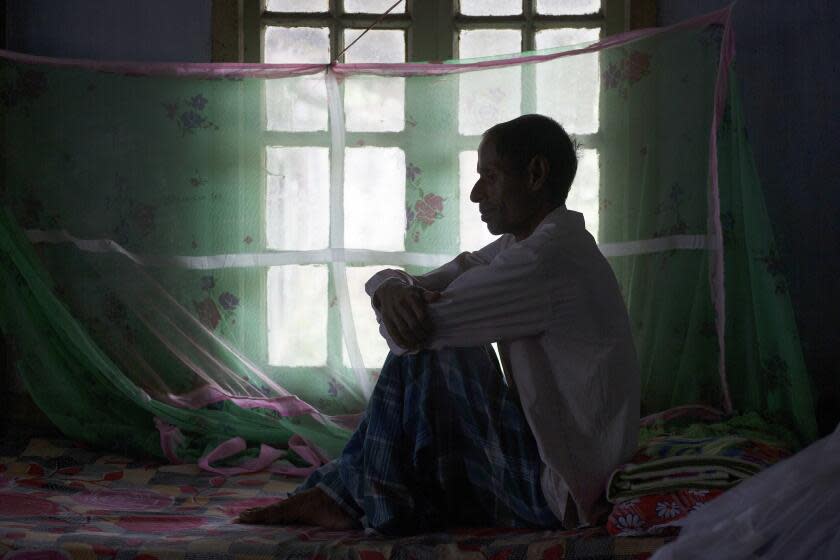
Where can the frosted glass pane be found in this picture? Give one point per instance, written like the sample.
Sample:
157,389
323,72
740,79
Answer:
574,103
297,44
373,347
387,95
488,42
550,38
363,92
568,7
374,198
488,97
296,104
297,198
297,5
473,232
297,315
373,6
490,7
583,196
386,45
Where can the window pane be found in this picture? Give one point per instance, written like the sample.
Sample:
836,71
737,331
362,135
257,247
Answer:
491,7
568,7
297,45
474,233
363,92
385,45
575,103
373,6
488,42
374,198
297,198
297,315
373,347
583,196
297,5
551,38
488,97
296,104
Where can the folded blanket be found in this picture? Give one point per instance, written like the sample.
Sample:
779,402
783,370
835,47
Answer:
669,463
699,447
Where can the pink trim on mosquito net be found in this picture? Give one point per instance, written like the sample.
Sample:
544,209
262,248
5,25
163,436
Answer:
267,456
208,394
219,70
170,439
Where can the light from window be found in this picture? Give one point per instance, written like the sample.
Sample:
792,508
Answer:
568,87
297,315
491,96
296,104
491,7
374,198
473,232
565,36
297,5
372,6
568,7
583,196
364,92
373,347
297,45
297,198
474,43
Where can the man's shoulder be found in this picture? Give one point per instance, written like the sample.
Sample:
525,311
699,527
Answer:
565,234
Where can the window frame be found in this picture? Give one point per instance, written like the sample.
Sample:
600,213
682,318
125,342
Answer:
432,29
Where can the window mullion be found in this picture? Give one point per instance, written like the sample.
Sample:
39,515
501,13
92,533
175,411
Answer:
529,71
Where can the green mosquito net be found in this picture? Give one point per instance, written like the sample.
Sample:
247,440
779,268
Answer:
183,247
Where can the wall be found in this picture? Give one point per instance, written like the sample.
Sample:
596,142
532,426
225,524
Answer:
788,62
111,29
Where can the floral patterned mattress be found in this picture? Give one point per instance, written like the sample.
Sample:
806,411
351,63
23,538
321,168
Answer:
60,500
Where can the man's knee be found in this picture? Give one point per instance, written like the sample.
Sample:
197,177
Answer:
477,362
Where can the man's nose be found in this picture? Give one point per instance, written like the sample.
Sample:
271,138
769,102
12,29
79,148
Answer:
476,194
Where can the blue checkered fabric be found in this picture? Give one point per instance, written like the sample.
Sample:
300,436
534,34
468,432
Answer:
443,443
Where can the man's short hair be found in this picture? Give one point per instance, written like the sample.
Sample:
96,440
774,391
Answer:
519,140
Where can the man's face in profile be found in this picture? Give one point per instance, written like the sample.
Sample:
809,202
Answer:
505,204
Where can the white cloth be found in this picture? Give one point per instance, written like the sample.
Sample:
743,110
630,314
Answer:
788,511
553,304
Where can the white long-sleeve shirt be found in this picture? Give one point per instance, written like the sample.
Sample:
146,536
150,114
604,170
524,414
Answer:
553,304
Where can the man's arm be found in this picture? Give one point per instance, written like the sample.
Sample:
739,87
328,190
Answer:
513,297
439,278
400,299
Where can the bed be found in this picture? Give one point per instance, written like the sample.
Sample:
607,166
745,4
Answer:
60,499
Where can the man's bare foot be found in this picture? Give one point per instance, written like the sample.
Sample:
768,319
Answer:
310,507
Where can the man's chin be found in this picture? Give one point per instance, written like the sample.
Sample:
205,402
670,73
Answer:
494,229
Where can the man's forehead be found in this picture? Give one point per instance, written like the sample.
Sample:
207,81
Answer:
487,153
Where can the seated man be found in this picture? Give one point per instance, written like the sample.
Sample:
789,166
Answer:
448,440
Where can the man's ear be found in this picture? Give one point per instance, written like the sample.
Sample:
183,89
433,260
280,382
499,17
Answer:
538,169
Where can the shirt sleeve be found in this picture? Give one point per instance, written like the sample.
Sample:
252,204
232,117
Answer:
437,280
512,297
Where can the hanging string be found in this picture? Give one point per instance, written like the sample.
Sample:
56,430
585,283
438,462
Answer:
371,26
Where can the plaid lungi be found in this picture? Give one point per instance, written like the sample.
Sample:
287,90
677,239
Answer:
443,443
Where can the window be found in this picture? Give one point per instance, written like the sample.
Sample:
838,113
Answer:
301,297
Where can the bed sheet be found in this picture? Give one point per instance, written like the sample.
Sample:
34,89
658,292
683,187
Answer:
60,500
